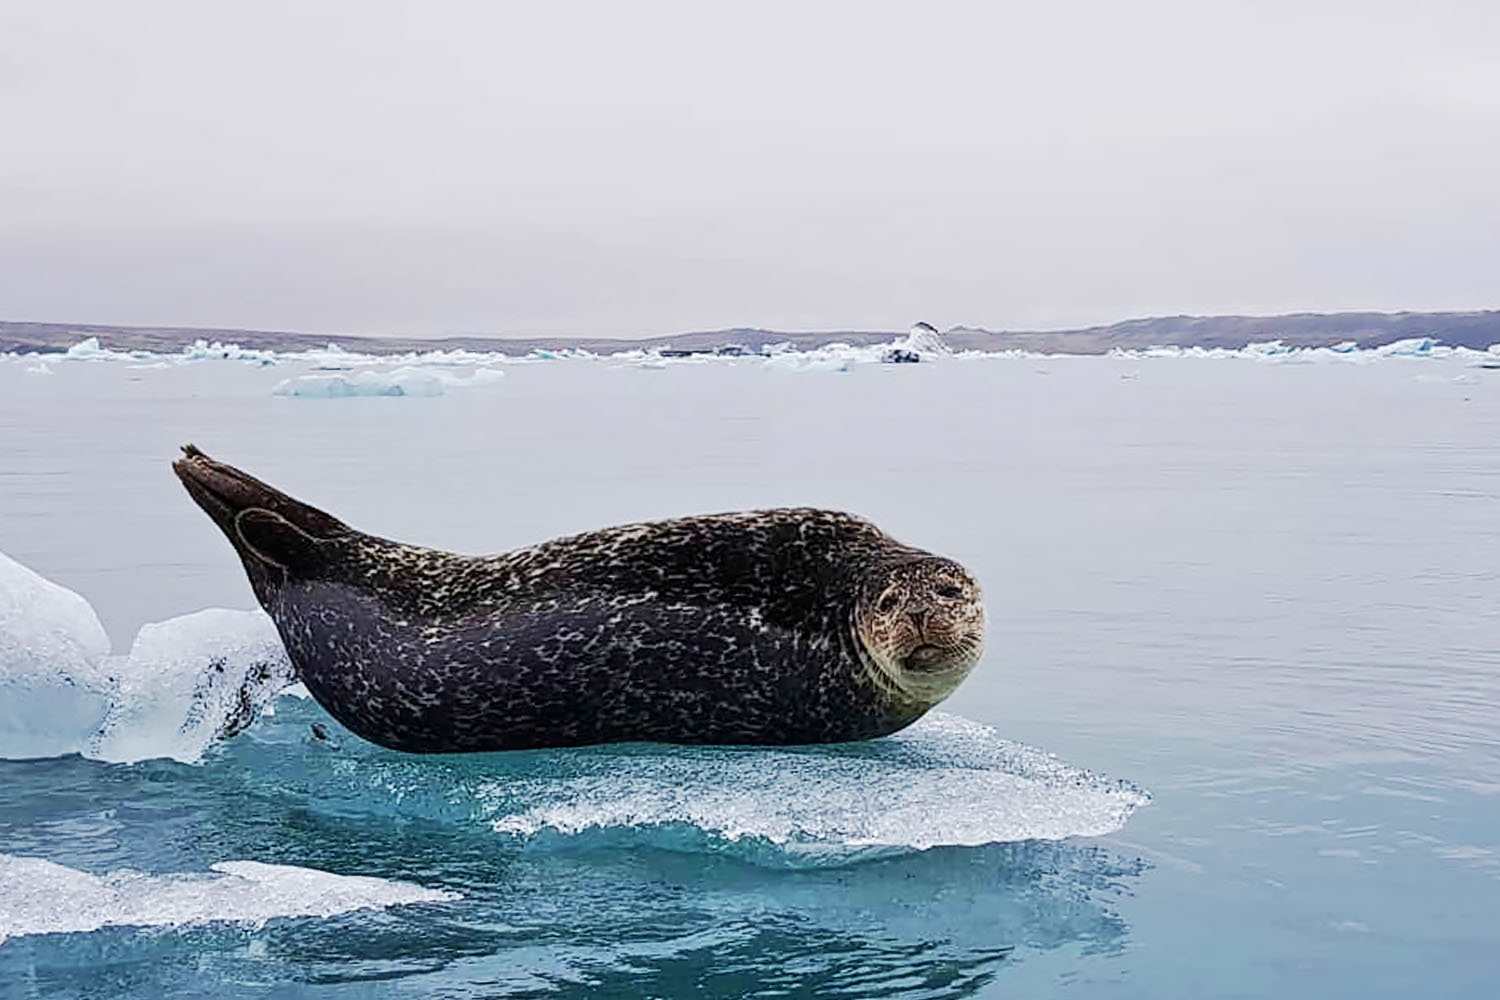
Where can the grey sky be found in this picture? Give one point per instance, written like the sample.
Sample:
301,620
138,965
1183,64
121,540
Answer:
634,168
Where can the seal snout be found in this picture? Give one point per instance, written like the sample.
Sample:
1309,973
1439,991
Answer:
205,485
924,657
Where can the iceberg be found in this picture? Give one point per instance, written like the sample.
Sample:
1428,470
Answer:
923,341
43,897
54,686
1414,347
87,349
404,381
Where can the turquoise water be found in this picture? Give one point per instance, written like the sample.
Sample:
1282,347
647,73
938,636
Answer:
1263,591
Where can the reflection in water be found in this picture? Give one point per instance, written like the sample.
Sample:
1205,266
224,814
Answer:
937,924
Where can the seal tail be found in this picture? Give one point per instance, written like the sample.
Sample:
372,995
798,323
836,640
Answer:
263,524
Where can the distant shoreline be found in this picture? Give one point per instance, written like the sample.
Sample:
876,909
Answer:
1366,329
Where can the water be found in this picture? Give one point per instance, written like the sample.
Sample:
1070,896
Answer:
1263,590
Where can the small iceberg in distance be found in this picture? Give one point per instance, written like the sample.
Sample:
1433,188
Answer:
922,343
404,381
43,897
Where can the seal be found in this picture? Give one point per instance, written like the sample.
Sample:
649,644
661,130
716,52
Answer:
767,627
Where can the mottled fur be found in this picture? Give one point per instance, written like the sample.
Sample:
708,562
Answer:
778,626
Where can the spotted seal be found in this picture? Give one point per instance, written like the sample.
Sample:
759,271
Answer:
768,627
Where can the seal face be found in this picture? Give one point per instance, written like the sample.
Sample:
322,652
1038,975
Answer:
768,627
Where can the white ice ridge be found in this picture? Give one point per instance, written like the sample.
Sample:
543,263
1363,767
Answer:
185,683
945,781
923,343
404,381
41,897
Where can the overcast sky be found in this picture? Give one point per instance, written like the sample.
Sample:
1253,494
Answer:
640,168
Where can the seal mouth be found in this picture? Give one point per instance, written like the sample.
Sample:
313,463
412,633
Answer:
925,657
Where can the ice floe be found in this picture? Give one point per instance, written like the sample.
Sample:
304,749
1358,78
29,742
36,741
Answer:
943,782
43,897
185,683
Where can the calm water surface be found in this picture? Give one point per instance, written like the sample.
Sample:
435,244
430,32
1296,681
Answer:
1265,592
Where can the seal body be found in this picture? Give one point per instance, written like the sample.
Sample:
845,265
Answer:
748,628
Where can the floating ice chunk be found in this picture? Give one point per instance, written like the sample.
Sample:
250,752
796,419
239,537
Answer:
1414,347
404,381
945,781
831,358
86,349
1267,349
924,341
202,350
54,689
191,681
40,368
89,349
42,897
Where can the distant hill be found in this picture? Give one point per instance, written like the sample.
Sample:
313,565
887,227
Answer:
1367,329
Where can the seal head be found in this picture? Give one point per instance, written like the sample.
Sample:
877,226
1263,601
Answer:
921,623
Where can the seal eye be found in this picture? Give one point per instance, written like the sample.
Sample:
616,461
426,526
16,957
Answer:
949,592
887,601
